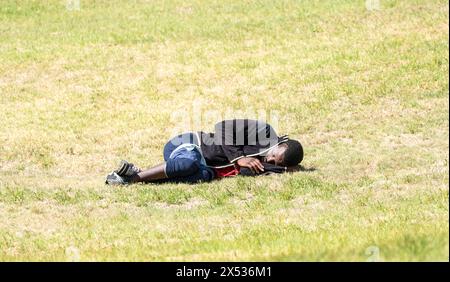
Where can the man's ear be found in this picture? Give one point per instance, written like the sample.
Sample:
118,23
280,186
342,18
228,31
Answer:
284,145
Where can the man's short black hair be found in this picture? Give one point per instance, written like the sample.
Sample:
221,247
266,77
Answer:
293,154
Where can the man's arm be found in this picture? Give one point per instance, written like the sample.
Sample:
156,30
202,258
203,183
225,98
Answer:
253,164
268,169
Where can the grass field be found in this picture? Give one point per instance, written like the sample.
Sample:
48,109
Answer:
364,89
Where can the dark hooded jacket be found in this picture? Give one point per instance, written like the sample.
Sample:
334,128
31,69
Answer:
237,138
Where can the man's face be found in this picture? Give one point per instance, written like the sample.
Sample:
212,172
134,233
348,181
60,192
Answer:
276,155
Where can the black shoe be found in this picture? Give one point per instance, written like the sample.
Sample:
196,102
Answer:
127,169
114,179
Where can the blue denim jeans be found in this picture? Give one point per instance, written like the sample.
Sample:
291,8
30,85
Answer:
184,160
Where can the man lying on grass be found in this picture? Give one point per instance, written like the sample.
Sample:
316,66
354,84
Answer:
239,146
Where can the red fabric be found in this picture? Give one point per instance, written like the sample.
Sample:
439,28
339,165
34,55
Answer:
227,171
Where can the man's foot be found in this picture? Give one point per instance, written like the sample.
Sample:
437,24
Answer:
127,169
114,179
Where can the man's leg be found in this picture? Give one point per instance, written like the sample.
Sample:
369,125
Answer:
175,170
202,175
151,174
186,167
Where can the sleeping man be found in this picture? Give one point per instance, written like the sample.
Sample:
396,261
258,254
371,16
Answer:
239,146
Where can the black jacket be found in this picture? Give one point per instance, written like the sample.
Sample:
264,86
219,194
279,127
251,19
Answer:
268,169
237,138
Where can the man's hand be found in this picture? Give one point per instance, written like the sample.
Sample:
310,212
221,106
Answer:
252,163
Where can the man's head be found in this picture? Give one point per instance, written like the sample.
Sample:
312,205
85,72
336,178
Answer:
289,153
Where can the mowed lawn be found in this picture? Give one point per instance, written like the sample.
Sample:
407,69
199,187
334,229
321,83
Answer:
364,89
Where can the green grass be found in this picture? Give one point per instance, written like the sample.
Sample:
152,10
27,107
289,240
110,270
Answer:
365,91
